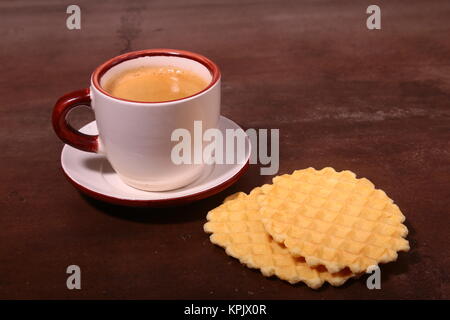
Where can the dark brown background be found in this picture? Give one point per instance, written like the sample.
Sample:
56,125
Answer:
374,102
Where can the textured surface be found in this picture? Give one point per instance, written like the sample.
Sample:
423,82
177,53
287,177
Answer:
375,102
334,219
236,225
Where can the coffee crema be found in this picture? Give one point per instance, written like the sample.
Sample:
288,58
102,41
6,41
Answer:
155,84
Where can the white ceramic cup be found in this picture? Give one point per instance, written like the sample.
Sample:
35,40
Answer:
136,136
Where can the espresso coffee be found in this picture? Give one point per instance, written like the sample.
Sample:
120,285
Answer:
155,84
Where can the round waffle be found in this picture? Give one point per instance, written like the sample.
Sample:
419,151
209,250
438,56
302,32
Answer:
333,219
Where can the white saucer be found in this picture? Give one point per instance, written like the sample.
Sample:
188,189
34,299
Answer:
92,174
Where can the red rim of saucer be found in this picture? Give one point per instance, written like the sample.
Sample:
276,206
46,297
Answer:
102,69
160,202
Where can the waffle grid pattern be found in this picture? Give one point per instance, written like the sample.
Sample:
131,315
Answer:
333,219
237,227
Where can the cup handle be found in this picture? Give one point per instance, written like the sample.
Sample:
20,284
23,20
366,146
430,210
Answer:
64,130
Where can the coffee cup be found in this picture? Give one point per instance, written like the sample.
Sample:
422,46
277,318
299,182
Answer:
135,135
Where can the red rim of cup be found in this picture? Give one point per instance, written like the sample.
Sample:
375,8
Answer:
102,69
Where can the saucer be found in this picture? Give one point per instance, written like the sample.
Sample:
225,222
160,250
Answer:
92,174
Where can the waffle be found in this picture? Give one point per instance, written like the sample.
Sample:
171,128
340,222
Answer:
236,226
334,219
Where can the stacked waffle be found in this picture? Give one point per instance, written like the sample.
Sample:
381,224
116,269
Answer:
311,226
